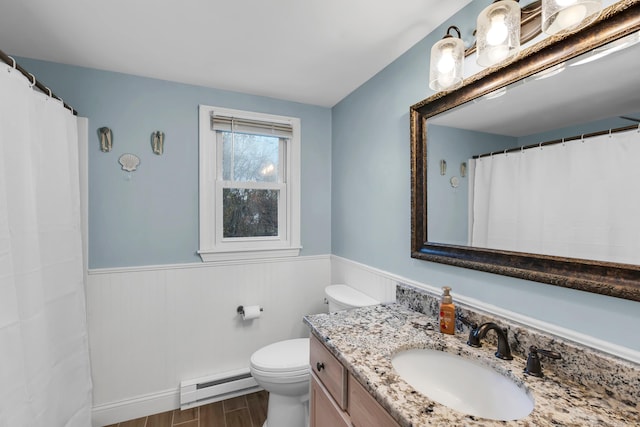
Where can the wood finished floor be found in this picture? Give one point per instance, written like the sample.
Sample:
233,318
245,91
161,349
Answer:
242,411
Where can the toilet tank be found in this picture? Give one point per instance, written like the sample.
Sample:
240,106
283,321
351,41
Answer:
342,297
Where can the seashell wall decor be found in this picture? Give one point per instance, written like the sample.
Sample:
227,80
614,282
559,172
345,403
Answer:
129,162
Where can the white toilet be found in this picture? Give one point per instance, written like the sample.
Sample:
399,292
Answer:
343,297
282,368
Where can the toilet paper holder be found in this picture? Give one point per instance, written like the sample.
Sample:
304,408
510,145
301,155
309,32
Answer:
240,310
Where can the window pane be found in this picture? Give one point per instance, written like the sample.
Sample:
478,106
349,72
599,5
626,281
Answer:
249,158
249,213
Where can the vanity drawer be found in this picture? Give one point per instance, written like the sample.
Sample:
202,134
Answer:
364,410
329,371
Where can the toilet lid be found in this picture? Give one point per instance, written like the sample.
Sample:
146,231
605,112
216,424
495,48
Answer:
347,295
283,356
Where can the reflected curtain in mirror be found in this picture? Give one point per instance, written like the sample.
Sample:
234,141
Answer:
574,199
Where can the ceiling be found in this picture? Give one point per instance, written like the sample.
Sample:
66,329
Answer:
309,51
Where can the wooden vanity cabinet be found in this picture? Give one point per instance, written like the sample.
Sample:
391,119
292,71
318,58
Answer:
337,399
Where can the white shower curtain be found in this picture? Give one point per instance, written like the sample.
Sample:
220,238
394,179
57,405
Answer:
577,199
44,358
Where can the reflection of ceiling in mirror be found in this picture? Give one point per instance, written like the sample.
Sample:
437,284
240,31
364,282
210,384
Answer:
579,93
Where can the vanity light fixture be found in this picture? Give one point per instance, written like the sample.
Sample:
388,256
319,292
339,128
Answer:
563,16
447,57
498,32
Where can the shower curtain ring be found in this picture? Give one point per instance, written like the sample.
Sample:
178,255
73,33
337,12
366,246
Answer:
14,62
33,83
609,132
48,90
638,127
582,137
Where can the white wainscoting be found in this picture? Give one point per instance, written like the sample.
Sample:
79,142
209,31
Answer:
378,284
151,327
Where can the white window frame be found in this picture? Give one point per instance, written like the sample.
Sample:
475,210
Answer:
215,248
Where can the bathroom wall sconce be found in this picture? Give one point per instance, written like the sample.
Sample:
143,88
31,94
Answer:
498,32
503,26
447,58
106,139
463,169
157,142
443,167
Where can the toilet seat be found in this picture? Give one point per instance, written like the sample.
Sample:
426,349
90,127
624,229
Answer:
289,358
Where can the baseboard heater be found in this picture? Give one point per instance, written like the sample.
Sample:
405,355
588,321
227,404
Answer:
214,388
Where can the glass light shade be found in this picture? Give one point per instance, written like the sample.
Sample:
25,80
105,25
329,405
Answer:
445,70
498,32
563,16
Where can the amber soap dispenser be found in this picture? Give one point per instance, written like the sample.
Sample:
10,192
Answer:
447,312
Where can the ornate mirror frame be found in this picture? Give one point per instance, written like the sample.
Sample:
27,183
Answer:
617,280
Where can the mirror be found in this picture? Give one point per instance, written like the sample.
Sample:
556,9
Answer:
563,87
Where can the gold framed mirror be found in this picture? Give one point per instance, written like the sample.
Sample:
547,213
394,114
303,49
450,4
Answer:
616,279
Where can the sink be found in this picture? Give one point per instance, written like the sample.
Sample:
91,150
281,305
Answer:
463,384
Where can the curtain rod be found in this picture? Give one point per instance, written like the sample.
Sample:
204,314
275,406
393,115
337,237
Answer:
12,62
559,141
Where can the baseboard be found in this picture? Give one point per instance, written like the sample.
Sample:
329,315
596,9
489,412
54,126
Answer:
137,407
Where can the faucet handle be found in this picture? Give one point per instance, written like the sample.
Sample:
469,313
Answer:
533,361
467,322
474,339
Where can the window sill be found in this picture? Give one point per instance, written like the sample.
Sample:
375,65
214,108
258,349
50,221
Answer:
222,256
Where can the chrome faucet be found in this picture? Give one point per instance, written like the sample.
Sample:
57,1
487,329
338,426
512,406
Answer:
476,334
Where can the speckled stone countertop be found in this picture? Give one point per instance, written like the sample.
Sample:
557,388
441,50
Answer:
365,339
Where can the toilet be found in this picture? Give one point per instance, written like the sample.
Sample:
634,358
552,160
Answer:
282,368
343,297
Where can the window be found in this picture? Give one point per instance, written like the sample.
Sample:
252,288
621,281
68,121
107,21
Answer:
249,185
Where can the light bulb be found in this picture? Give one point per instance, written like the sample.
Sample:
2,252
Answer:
498,32
446,62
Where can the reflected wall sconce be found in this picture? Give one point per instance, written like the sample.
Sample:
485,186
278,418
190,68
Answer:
447,58
157,142
563,16
106,139
498,32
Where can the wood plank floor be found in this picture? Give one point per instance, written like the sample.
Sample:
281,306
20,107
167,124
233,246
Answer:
242,411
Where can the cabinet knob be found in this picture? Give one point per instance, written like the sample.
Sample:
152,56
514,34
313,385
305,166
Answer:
319,366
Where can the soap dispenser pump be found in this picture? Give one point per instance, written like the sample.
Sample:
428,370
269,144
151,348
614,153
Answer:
447,312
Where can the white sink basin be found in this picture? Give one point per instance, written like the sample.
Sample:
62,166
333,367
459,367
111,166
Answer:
462,384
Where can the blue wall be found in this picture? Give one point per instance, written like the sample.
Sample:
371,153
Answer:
355,182
150,216
371,205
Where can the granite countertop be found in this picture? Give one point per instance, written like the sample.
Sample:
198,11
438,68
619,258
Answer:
365,339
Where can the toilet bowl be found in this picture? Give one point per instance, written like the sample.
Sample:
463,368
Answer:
282,369
342,297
